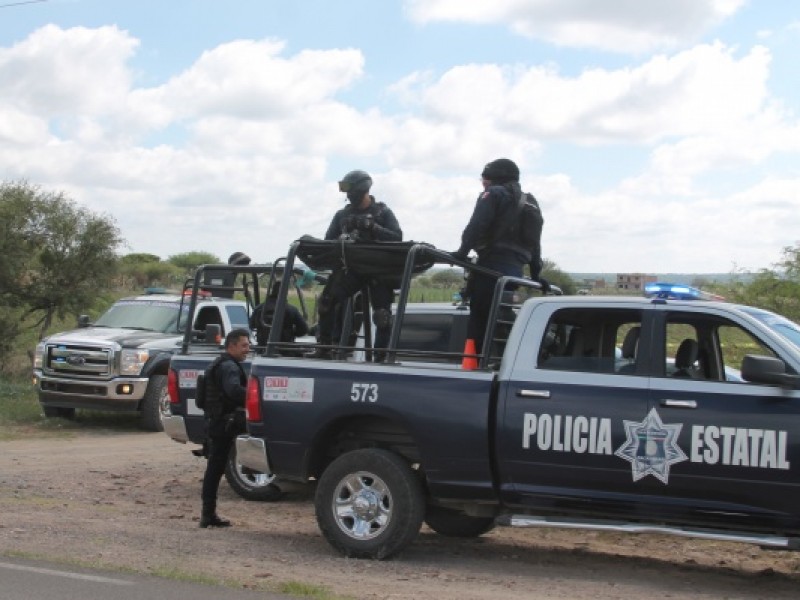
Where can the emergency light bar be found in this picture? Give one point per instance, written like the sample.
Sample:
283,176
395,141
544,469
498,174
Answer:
676,291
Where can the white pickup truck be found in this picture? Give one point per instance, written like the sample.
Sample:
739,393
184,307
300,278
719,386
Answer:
120,362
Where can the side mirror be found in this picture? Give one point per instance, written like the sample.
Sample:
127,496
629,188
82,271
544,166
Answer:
213,334
83,321
768,370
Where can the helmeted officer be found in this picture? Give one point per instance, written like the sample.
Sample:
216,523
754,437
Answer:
362,220
494,232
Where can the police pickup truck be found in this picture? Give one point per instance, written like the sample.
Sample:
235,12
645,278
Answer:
610,413
119,362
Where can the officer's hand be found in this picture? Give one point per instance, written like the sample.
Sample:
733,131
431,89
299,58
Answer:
545,285
365,222
349,223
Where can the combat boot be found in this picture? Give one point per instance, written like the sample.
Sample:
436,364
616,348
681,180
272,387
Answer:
323,353
210,518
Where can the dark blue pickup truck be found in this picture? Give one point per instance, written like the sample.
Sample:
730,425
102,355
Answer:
617,413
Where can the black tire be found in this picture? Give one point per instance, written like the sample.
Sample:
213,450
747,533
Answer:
150,415
250,485
451,523
58,412
369,504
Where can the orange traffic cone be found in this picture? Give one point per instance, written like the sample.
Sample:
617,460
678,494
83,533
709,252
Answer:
470,361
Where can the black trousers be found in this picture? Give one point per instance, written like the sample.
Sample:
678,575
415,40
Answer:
220,443
482,290
340,287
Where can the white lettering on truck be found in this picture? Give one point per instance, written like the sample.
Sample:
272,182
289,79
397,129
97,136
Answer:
565,433
739,447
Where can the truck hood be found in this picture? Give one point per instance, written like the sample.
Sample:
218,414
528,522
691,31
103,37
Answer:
126,338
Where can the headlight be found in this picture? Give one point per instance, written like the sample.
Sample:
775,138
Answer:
38,356
132,360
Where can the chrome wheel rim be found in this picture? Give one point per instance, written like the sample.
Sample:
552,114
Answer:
362,505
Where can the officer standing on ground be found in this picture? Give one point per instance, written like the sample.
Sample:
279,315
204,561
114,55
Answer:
496,232
362,220
226,388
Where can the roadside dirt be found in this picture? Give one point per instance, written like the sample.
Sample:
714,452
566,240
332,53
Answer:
131,500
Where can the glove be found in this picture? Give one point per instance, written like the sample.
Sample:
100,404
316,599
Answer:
365,222
307,278
545,285
460,254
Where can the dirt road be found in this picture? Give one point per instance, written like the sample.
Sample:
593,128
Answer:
131,500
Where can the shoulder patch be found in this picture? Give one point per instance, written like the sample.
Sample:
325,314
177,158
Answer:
484,195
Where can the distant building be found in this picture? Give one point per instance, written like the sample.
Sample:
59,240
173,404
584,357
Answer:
634,281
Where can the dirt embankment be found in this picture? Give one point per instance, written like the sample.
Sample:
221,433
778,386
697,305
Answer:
132,499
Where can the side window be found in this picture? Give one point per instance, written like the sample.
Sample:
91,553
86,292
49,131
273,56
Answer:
591,341
707,347
735,342
682,351
237,316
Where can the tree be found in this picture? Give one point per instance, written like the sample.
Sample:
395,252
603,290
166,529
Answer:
188,262
775,289
448,278
58,255
143,270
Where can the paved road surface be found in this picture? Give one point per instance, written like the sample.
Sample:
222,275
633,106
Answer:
36,580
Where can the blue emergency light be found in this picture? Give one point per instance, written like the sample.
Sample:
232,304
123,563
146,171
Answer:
677,291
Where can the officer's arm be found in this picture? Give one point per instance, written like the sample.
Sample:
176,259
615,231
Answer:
478,225
298,323
334,229
388,230
231,384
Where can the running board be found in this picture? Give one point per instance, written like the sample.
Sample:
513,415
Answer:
768,541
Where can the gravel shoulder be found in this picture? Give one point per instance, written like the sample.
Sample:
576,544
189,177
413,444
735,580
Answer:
131,501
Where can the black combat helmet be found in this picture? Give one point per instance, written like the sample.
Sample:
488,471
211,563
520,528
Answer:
355,184
501,171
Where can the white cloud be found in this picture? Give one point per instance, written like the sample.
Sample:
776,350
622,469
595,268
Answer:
617,25
242,149
63,72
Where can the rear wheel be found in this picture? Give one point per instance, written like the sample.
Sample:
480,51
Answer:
154,398
369,504
249,484
451,523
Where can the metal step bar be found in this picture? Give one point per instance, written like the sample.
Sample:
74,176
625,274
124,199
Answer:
767,541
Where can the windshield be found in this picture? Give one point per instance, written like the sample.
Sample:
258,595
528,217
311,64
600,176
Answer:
781,325
142,314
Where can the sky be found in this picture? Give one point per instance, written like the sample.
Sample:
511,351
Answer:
658,137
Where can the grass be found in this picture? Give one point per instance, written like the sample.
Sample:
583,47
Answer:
21,415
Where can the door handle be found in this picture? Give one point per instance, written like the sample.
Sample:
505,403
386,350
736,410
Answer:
533,393
679,403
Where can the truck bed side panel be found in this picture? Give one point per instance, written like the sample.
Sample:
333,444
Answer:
438,417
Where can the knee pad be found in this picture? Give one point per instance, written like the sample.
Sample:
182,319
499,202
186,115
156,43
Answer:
382,317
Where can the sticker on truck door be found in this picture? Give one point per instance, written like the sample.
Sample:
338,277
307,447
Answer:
288,389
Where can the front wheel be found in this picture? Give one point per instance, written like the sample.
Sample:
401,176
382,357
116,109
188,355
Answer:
249,484
455,524
369,504
58,412
155,397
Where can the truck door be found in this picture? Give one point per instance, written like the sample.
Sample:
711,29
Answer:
735,445
579,377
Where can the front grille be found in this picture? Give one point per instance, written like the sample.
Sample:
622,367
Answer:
79,361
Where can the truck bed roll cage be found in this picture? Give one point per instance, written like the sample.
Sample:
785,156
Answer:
396,263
